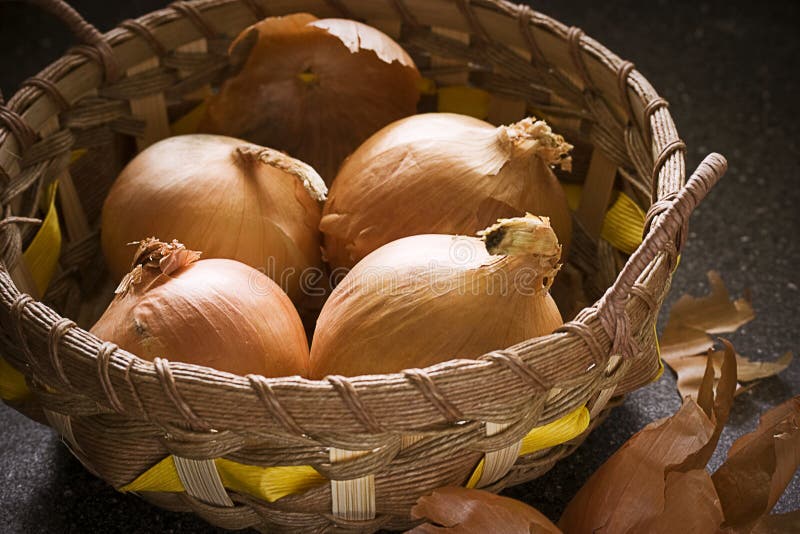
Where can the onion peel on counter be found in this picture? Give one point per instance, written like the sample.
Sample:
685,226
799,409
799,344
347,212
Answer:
686,343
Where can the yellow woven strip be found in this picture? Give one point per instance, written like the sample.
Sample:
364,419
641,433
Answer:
476,475
464,100
161,477
556,433
658,352
573,192
552,434
43,252
427,86
268,483
76,155
12,383
623,224
189,123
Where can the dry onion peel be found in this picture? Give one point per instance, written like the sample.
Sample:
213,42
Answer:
226,197
686,344
215,312
467,511
643,486
314,88
425,299
759,467
442,173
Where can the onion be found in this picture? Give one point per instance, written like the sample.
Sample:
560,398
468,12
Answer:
226,197
446,174
425,299
216,312
314,88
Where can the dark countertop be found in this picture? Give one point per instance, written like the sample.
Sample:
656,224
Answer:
730,71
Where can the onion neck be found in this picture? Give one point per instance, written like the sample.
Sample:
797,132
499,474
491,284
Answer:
529,239
247,157
530,137
154,258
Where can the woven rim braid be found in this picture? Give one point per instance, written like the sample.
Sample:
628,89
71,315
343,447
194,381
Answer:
512,51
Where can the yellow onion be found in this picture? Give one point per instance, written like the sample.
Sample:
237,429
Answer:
443,173
214,312
229,198
425,299
314,88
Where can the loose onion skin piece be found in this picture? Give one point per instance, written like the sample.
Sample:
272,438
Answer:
425,299
217,313
314,88
229,198
446,174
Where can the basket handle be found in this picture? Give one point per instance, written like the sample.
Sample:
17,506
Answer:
667,227
83,31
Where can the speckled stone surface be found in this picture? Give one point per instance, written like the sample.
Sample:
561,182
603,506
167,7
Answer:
730,71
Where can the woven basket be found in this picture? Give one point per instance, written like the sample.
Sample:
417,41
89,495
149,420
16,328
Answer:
380,442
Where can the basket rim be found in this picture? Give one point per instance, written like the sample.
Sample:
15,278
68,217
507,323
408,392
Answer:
78,348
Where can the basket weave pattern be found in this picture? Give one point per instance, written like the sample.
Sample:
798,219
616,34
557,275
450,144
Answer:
128,413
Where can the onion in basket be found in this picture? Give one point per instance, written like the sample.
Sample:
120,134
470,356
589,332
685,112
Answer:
229,198
425,299
314,88
447,174
214,312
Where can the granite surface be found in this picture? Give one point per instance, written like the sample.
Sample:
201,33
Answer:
730,71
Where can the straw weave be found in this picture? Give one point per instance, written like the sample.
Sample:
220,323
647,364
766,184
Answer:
126,413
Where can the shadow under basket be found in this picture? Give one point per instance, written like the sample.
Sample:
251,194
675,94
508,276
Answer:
352,454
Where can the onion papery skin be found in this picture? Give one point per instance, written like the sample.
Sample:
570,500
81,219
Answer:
217,313
425,299
443,173
314,88
229,198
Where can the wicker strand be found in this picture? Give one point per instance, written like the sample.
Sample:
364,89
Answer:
354,403
135,395
201,480
623,75
264,390
524,20
640,290
477,29
50,89
103,359
19,128
84,33
190,11
498,463
18,314
139,29
587,336
675,146
649,110
170,388
57,331
11,236
422,381
526,373
656,209
574,36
